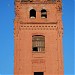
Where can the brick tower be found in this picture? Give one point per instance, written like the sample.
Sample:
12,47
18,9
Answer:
38,35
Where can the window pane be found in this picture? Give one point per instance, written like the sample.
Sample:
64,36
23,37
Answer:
39,42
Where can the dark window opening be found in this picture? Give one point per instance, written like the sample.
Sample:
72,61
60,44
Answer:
26,0
38,43
38,73
35,48
32,13
43,13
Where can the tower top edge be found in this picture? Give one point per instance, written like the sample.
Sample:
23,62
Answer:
39,1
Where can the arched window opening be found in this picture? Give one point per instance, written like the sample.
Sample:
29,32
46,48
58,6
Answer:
32,13
43,13
38,43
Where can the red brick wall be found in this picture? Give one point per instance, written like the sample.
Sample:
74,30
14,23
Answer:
27,62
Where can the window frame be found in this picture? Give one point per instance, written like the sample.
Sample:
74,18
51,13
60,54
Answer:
40,44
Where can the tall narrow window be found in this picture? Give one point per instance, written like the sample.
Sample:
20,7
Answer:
43,13
38,43
32,13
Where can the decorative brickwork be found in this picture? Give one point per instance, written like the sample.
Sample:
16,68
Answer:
38,32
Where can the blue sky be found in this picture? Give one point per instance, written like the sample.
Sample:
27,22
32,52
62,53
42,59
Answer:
7,37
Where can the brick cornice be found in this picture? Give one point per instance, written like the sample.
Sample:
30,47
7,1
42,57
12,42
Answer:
38,22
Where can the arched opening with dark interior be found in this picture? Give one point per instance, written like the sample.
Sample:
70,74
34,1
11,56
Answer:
38,43
43,13
32,13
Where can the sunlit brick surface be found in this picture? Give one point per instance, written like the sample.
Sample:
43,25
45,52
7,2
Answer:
26,62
